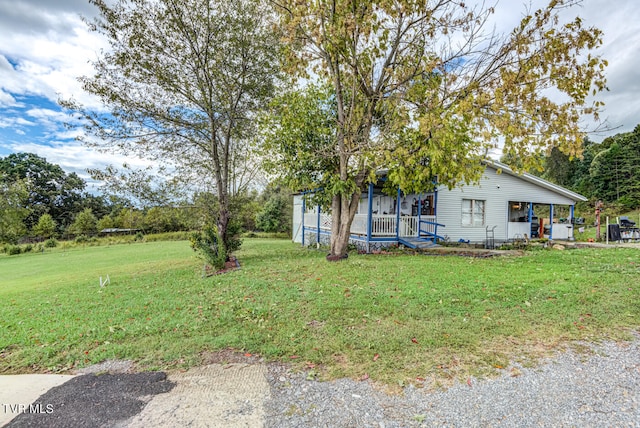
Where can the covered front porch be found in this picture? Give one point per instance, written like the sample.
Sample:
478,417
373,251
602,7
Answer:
381,220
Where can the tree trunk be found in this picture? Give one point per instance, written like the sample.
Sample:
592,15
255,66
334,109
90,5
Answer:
223,234
343,210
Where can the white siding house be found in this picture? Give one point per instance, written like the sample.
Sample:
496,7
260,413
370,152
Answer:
503,205
500,189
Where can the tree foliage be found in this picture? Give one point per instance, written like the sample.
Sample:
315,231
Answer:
183,81
276,213
614,172
85,223
46,227
50,189
299,137
424,90
13,210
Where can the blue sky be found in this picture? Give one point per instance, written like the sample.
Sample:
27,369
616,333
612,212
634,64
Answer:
44,47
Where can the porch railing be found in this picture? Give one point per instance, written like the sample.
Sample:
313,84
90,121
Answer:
381,225
311,221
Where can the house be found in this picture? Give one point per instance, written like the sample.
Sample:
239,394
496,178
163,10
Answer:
503,206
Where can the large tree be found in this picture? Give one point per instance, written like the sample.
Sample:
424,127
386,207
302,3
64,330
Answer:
182,81
50,189
424,89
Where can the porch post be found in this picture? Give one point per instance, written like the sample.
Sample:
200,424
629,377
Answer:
398,214
419,212
304,208
318,234
572,221
369,216
550,222
530,217
435,201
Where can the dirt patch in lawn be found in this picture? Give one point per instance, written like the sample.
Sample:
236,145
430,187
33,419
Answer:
229,266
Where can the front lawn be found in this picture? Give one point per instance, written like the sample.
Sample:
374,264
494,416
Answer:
393,318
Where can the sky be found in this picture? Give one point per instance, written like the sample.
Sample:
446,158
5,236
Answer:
45,46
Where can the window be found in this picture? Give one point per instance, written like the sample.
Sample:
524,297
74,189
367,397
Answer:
472,212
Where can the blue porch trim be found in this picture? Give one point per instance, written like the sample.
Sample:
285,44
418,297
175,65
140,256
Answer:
361,238
304,208
369,215
398,213
433,236
550,222
530,217
380,239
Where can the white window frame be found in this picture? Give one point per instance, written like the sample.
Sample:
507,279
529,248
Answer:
473,212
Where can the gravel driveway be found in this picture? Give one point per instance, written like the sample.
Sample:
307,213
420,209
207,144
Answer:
596,389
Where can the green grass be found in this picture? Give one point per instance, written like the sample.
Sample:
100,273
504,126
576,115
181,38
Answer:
394,318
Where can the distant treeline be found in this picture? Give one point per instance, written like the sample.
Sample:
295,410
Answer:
38,201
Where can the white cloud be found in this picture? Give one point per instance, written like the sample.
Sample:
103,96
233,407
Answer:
7,122
72,156
6,99
49,61
49,119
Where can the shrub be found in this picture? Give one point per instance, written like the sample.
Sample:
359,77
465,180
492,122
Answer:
12,250
207,245
51,243
168,236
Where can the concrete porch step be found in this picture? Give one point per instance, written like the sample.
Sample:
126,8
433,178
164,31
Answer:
418,243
